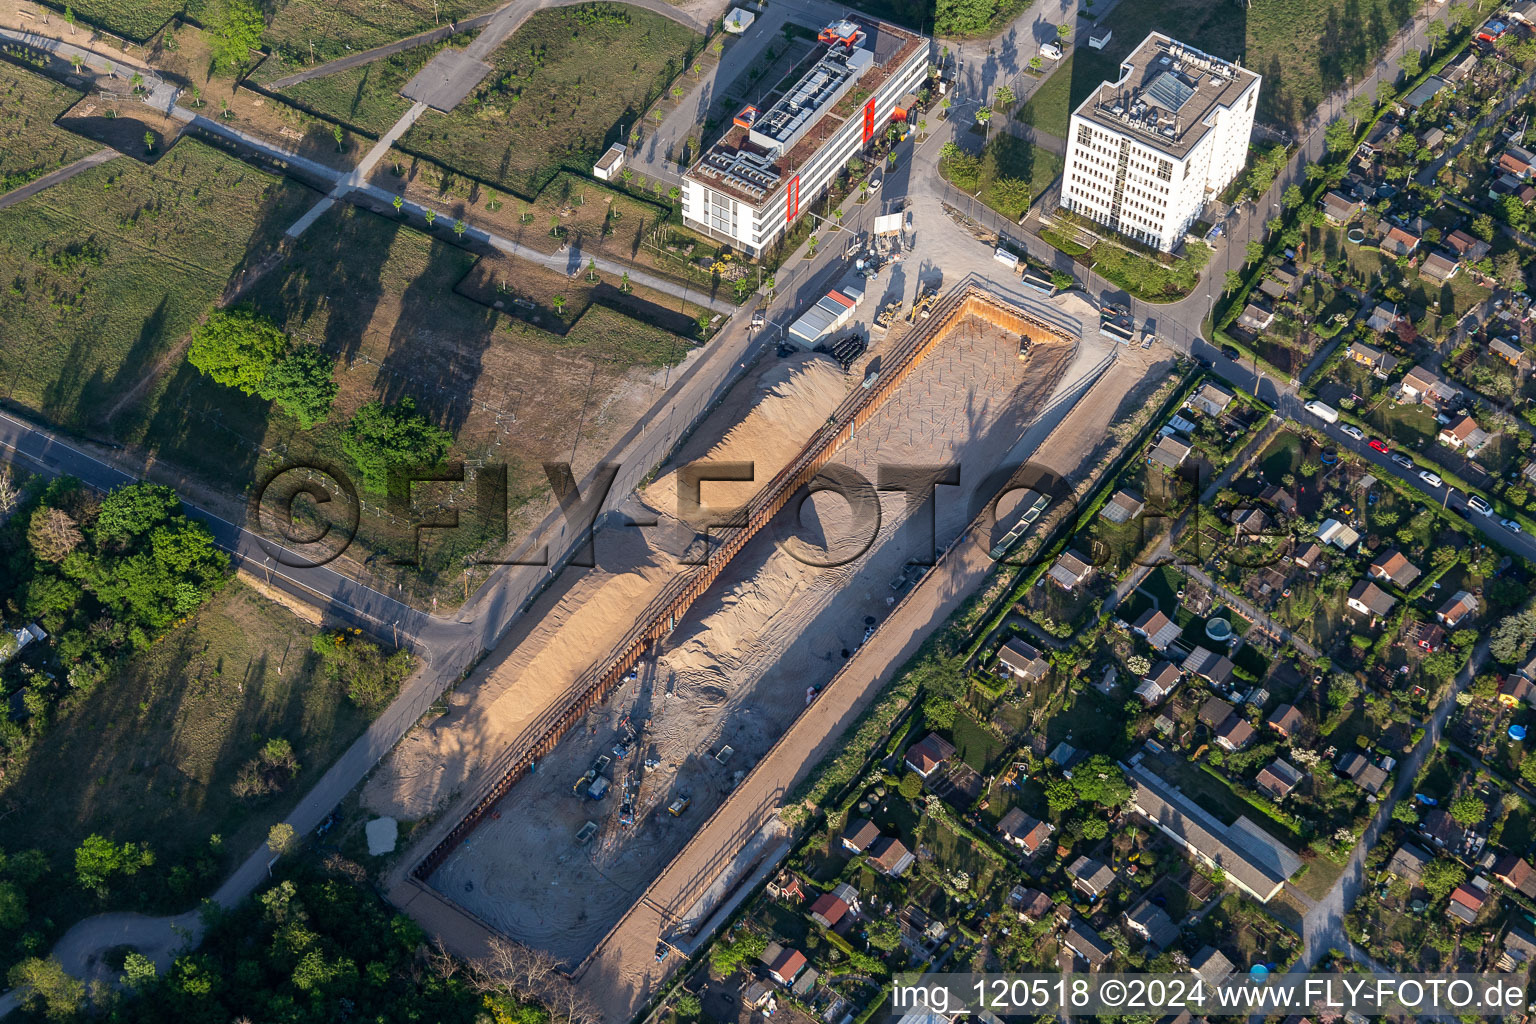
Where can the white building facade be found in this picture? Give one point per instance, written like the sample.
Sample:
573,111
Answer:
753,184
1146,152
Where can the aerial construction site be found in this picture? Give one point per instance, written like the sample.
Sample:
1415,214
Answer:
641,699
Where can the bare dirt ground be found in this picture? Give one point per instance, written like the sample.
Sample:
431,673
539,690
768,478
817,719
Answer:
623,973
583,614
737,670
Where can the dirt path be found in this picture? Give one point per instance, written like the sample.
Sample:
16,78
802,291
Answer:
353,60
53,178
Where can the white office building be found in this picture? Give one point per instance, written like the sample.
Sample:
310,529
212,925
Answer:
752,184
1145,153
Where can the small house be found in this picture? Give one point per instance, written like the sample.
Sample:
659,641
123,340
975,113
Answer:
858,834
1393,565
1151,923
1091,877
1277,779
1511,354
1169,452
1024,831
1022,661
1234,734
1214,668
928,754
1123,506
1464,433
1339,208
1439,267
828,910
1455,610
1211,399
1408,863
1157,628
1286,721
1158,683
890,857
1070,569
1214,713
1088,944
1367,598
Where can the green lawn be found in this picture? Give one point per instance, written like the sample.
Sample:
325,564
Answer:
545,103
110,269
366,98
30,144
134,19
150,755
1050,108
975,745
336,27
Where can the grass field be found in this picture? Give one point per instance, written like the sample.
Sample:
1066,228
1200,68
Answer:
1303,48
337,27
30,144
381,298
1049,109
133,19
367,98
149,756
107,271
543,105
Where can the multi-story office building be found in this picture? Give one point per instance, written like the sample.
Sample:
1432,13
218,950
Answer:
1146,152
750,186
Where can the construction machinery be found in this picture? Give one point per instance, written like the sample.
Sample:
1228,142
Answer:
679,805
887,315
584,785
923,307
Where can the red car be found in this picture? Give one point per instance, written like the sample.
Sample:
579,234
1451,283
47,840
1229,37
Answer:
1380,446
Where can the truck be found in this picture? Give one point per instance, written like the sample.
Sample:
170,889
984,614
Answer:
1324,412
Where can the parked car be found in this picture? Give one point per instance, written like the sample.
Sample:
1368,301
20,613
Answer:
1230,352
1402,460
1478,504
1380,445
874,185
1432,479
1350,430
1510,525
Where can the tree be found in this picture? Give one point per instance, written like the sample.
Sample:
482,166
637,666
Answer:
371,676
300,383
1099,780
1528,769
559,303
1436,32
397,203
138,970
1060,795
922,126
280,838
1061,280
1482,227
431,217
911,786
234,29
52,534
624,282
339,135
1468,810
1411,63
1512,637
813,242
1441,876
1254,251
98,859
1011,196
628,175
1405,812
236,347
459,227
1063,30
1002,99
983,115
1292,197
885,934
1339,137
45,981
688,1005
1508,270
69,18
381,436
1232,282
591,268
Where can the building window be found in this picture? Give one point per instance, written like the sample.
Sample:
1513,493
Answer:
1165,170
1084,135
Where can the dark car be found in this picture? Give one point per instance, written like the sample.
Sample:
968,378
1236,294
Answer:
1204,362
1230,352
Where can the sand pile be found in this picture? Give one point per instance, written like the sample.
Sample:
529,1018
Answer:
791,401
581,619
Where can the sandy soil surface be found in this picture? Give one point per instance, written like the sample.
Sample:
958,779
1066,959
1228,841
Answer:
583,614
623,972
737,670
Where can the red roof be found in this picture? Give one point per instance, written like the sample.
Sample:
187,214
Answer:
829,908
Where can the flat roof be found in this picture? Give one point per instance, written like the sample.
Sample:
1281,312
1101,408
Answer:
1166,92
746,165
